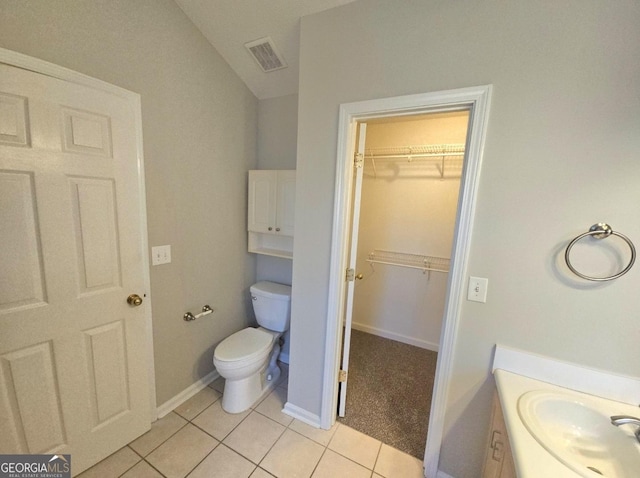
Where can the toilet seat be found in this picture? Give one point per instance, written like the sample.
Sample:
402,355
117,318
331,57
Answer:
244,346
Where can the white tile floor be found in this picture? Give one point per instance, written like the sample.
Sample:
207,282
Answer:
198,439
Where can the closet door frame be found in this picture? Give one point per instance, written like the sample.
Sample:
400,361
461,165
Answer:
476,100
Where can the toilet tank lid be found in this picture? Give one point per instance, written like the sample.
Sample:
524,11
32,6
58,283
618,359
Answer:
271,289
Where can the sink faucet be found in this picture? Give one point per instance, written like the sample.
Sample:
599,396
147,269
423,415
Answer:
618,420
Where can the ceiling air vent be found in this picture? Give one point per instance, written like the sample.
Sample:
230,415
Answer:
265,53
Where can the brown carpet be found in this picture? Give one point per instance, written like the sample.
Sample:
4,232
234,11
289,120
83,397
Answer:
389,391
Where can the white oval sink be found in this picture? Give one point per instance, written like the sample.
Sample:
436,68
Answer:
577,430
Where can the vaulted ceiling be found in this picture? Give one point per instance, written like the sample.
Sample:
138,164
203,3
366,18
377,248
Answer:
229,24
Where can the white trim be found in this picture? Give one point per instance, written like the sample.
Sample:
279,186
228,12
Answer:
476,100
55,71
387,334
301,414
186,394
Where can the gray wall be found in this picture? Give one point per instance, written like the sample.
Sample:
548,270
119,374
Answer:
199,125
277,141
561,154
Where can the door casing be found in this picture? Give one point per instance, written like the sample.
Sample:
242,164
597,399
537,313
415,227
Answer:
477,101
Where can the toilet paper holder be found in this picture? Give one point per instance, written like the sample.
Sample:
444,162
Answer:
206,310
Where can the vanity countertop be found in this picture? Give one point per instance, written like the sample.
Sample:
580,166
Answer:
517,373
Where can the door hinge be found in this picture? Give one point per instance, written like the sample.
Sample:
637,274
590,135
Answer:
351,275
358,160
342,376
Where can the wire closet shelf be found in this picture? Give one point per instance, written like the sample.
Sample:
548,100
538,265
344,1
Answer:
412,261
440,153
416,152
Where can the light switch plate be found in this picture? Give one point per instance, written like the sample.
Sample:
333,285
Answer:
478,289
160,255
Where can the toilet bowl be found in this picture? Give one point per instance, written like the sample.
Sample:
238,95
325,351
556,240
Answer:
247,359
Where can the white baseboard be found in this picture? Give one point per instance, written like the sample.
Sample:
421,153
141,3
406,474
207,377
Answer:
301,414
186,394
423,344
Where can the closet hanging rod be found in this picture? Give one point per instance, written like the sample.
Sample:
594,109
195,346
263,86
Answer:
412,261
420,151
413,155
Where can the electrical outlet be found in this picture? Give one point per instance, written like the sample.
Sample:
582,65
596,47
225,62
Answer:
160,255
478,289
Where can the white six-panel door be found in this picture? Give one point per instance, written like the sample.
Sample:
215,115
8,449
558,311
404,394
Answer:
73,352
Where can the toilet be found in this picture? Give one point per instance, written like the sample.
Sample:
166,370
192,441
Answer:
247,360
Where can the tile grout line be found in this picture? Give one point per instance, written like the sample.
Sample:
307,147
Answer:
163,441
319,460
187,422
256,465
274,443
377,458
159,472
127,470
204,458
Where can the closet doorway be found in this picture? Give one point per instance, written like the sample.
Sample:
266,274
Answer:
405,199
476,101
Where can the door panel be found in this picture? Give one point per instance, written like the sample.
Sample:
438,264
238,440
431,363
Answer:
86,132
73,353
107,360
96,233
23,284
13,120
33,410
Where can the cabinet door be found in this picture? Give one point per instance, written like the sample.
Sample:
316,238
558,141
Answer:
262,201
508,467
285,203
498,462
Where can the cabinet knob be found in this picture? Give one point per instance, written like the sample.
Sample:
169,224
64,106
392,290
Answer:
277,229
270,228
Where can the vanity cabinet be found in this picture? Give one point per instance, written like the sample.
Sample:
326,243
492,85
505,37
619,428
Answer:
498,461
271,212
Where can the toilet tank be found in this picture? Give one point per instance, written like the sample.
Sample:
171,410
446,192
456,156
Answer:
271,304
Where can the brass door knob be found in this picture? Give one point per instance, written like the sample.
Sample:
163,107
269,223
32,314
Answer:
134,300
359,276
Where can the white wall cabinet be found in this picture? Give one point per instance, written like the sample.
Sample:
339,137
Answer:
498,462
270,219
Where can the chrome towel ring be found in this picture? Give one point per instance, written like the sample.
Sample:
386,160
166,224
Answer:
601,231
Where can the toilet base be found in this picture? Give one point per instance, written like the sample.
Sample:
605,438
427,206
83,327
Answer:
240,395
